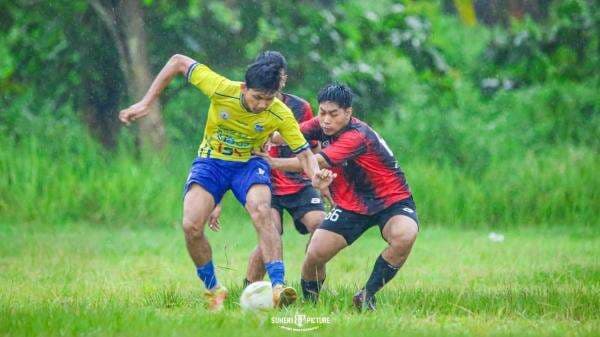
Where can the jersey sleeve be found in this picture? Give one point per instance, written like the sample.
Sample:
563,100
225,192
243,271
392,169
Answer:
290,131
349,145
203,78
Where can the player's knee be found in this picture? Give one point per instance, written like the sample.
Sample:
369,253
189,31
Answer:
406,235
193,229
315,256
260,213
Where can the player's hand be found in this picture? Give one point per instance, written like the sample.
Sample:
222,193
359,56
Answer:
323,178
326,194
266,147
276,139
264,155
134,112
213,219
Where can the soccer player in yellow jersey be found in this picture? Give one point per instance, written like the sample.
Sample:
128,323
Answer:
241,117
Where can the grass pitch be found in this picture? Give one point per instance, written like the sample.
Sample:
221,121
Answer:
92,280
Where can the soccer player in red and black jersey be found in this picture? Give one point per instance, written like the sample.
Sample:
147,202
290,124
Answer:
370,189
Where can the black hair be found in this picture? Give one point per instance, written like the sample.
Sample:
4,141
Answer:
337,93
263,76
273,57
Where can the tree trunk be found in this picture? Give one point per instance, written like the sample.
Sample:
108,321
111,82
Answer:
139,78
126,26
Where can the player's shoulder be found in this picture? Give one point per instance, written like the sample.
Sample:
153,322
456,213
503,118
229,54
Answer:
279,110
299,106
356,126
229,90
293,99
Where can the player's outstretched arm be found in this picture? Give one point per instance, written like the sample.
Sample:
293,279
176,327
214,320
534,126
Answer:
177,64
314,168
292,164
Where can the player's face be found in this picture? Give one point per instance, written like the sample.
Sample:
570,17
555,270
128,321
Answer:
257,100
333,118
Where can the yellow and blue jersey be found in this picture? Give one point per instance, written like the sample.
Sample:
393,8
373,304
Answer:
231,131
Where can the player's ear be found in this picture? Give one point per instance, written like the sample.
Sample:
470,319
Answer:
349,111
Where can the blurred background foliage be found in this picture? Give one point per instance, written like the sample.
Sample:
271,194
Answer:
491,106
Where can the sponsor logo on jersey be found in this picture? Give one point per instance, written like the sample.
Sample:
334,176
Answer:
259,128
224,115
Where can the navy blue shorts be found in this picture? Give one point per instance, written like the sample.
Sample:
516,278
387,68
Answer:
217,176
352,225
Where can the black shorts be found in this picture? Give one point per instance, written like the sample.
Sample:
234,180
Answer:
352,225
297,205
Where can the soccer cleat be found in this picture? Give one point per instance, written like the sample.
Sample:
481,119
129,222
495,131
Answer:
364,302
283,296
215,298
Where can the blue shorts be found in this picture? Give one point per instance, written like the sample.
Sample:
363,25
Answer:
217,176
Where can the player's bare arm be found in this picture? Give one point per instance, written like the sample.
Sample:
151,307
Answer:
322,176
177,64
292,164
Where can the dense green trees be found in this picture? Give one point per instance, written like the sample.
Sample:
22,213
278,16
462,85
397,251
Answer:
472,101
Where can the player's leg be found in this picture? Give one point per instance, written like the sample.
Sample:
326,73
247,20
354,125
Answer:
307,210
323,246
256,269
197,205
201,190
251,186
339,230
312,220
258,205
400,231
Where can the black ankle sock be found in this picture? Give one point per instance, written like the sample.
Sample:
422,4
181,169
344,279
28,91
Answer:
382,273
311,289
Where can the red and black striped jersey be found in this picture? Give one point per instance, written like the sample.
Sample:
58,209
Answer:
368,176
286,183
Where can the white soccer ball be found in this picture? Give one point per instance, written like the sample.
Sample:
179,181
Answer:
257,296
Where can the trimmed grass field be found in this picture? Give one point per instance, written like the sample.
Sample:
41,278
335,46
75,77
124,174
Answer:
94,280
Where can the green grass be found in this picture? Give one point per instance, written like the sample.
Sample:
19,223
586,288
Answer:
84,279
75,181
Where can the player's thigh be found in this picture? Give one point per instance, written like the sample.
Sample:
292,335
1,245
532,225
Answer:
307,210
197,205
312,219
324,245
252,181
